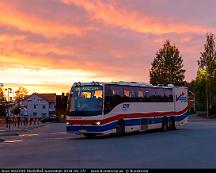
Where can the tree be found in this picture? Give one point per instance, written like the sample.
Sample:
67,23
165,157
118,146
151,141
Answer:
20,94
207,71
167,66
16,110
200,90
2,110
2,105
2,96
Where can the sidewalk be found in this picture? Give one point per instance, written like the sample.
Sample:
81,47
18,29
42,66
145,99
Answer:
14,130
196,117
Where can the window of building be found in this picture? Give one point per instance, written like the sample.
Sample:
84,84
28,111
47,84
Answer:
35,106
44,115
34,113
44,106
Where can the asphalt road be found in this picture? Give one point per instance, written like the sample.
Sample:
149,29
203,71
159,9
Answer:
190,146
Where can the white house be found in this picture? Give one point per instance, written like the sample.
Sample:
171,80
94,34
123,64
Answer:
39,106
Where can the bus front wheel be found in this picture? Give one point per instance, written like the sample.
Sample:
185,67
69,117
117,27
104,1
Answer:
88,135
120,128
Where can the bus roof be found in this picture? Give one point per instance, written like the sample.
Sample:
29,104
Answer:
140,84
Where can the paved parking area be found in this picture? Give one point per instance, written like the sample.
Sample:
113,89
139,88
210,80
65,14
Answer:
190,146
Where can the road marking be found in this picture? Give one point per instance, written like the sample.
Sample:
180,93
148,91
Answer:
53,133
12,141
29,135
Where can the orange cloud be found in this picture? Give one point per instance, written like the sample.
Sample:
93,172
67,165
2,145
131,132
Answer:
118,17
10,16
107,42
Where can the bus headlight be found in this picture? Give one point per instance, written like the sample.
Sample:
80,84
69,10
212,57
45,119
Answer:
97,123
67,123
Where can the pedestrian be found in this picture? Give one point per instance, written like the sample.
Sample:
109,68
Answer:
6,121
15,120
29,121
18,120
26,120
38,120
21,120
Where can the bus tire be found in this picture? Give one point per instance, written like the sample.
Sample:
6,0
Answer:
90,136
172,123
120,128
165,125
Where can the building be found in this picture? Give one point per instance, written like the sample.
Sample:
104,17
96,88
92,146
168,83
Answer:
39,106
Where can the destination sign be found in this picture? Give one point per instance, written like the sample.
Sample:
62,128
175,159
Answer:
88,88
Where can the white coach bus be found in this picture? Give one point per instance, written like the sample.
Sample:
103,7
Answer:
123,107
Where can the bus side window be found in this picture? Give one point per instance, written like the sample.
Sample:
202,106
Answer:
133,94
160,95
168,95
126,93
117,90
140,95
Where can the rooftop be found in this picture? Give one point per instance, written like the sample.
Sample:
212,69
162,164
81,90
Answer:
49,97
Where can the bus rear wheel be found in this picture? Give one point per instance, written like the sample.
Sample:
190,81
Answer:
120,128
172,123
165,125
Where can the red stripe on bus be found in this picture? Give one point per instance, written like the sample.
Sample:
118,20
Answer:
122,116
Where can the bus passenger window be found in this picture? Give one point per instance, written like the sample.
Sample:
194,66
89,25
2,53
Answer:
117,92
140,94
133,94
127,93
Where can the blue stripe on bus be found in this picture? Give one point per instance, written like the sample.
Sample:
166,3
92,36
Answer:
110,126
92,128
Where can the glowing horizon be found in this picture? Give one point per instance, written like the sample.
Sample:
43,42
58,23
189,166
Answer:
96,40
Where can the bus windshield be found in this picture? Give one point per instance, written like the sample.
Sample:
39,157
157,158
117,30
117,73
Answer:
86,101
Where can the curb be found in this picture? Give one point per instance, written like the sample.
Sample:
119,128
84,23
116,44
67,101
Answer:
9,134
23,129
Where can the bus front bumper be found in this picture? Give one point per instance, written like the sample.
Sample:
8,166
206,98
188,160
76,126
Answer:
91,129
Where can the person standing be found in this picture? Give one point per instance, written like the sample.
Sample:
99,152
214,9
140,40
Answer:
18,120
7,121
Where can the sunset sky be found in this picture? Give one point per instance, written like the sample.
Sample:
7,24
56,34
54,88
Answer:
46,45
